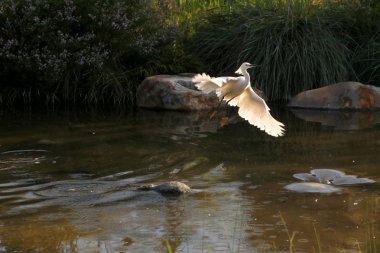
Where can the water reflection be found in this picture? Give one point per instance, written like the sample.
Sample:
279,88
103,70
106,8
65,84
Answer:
35,234
185,125
344,120
78,195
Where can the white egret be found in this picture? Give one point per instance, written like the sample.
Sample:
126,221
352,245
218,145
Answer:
237,91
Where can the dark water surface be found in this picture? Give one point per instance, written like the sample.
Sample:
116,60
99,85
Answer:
67,183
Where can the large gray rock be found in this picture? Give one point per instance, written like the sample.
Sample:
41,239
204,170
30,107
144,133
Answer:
345,95
173,92
176,92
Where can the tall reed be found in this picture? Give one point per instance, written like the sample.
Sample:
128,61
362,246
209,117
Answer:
297,44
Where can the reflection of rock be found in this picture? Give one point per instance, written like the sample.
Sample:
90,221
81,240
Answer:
173,93
346,120
345,95
311,187
182,125
169,188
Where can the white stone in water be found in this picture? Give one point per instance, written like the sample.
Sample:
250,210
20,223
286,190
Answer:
327,175
347,180
309,187
306,177
330,176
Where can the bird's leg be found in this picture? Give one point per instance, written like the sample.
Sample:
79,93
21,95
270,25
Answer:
216,110
231,99
226,118
213,114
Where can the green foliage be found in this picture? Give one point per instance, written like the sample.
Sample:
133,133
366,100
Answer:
294,47
97,52
298,44
78,51
367,61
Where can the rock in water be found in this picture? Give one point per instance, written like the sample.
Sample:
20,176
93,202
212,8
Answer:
345,95
323,181
173,93
176,92
311,187
169,188
330,176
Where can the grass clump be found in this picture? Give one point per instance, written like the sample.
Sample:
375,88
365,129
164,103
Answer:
298,44
367,61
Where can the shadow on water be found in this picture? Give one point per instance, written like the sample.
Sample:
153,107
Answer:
344,120
68,182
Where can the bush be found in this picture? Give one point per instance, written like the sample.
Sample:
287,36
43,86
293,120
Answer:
366,30
298,44
367,61
77,50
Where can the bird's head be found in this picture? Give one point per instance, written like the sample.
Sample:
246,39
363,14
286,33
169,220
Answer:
243,67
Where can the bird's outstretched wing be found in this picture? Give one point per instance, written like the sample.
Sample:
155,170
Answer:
208,84
254,109
205,83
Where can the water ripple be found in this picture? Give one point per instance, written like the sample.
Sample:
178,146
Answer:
29,194
22,151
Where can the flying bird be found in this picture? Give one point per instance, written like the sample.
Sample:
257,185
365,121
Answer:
237,91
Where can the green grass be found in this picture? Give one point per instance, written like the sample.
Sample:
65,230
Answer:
297,44
99,52
367,61
290,236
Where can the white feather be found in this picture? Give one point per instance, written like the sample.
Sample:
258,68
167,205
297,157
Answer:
237,91
254,109
205,83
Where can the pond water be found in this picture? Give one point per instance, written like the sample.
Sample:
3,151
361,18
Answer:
68,179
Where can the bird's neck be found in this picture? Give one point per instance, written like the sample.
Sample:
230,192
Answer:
246,75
